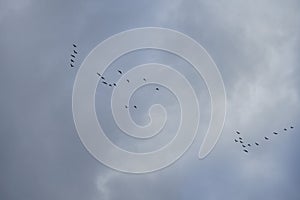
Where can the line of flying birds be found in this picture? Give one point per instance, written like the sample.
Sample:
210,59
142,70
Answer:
73,55
245,146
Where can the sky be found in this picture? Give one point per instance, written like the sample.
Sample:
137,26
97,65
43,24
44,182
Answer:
256,46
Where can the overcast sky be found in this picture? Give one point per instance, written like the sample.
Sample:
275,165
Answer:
255,44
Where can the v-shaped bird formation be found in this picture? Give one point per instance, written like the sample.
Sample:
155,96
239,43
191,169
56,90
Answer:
111,84
247,146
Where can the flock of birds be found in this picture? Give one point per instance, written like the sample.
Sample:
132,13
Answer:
246,146
104,81
73,55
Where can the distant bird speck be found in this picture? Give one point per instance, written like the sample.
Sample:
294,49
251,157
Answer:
115,84
285,129
157,88
120,71
275,133
71,65
135,107
127,80
245,150
256,143
235,140
72,60
72,56
104,82
238,132
74,45
249,145
75,51
291,127
266,138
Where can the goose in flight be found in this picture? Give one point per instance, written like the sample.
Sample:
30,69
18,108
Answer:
72,55
120,71
256,143
71,65
75,51
238,132
74,45
245,150
266,138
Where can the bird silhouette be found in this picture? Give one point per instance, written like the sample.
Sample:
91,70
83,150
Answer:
126,106
275,133
157,88
238,132
135,107
266,138
74,45
243,145
120,71
104,82
241,141
256,143
98,74
110,85
235,140
115,84
144,79
72,55
127,80
71,65
291,127
75,51
72,60
249,145
245,150
240,138
285,129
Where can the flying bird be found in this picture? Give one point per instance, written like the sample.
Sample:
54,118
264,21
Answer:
245,150
127,80
235,140
72,60
126,106
275,133
71,65
266,138
110,85
157,88
241,142
285,129
291,127
243,145
115,84
104,82
135,107
98,74
256,143
240,138
249,145
72,55
144,79
120,71
75,51
74,45
238,132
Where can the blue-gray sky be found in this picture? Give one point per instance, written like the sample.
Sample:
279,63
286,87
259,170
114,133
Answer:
256,46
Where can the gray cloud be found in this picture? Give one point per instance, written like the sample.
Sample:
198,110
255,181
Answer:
256,46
